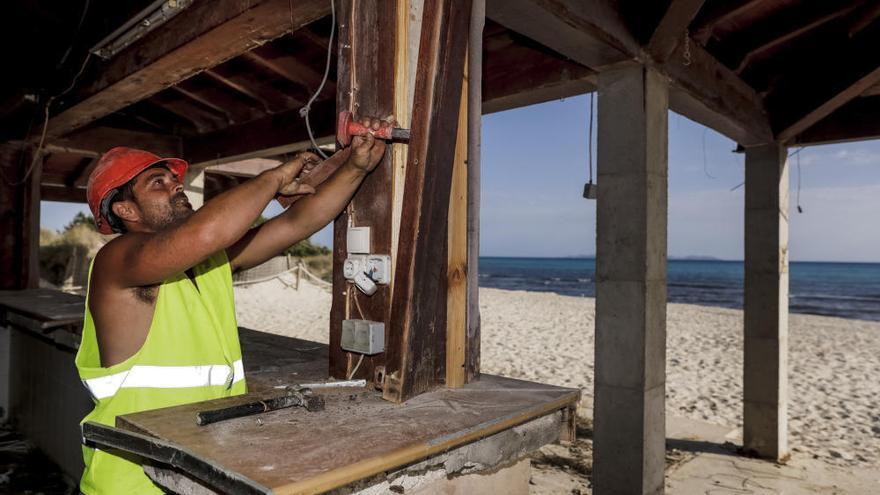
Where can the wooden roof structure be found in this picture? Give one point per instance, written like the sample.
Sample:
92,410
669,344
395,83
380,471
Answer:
222,78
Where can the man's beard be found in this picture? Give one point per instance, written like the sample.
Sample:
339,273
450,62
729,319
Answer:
178,210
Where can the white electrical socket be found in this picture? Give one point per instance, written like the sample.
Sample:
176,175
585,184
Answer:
357,240
378,267
353,265
363,336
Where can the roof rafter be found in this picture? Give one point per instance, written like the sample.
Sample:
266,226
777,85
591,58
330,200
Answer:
199,38
672,28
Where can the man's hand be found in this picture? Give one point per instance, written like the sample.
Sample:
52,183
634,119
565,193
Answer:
367,151
294,172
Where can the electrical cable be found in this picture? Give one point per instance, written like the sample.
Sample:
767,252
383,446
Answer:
705,161
358,365
590,139
799,209
304,111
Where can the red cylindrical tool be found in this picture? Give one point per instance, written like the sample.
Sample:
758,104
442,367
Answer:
346,127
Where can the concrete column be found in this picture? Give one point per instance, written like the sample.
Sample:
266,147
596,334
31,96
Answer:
194,186
765,380
630,383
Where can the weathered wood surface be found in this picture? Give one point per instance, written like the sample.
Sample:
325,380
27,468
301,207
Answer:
474,109
199,38
295,451
19,217
365,86
416,347
51,308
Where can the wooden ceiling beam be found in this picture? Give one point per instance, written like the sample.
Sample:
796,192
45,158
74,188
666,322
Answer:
855,121
289,67
202,36
830,105
768,45
96,141
590,33
253,86
703,90
672,28
721,14
204,101
62,193
273,132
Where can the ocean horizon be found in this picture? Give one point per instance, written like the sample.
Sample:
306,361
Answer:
841,289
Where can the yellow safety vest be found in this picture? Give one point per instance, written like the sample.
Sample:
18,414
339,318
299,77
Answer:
191,354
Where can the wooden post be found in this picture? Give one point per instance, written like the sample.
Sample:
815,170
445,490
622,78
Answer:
19,218
415,358
365,86
765,360
474,122
457,261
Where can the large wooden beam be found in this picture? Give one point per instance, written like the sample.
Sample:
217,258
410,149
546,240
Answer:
593,34
830,105
97,140
672,28
269,136
708,92
858,120
365,86
516,76
199,38
590,33
796,106
416,350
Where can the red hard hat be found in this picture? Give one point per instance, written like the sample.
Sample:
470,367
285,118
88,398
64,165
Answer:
115,169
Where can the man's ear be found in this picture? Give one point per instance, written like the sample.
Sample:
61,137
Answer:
126,211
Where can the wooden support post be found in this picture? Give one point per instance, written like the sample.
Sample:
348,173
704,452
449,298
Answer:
457,261
629,413
19,218
474,122
765,379
365,86
416,345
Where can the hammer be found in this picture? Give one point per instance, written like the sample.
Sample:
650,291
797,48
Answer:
346,127
301,397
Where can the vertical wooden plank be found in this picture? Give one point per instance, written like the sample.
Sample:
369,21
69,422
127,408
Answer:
416,345
19,219
475,114
364,86
457,269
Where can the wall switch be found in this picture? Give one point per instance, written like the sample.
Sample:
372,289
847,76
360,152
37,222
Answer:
363,336
357,240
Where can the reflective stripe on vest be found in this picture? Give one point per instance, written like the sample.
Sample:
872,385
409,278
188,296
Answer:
144,376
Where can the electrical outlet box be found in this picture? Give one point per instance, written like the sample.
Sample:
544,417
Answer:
363,336
353,265
378,267
357,240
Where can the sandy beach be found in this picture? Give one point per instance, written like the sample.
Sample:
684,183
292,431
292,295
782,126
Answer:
834,403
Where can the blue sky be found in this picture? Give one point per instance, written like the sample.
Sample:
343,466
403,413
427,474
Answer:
535,164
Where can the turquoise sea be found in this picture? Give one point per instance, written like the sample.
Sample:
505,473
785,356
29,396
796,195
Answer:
848,290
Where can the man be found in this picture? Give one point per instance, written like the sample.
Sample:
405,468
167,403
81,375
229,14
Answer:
160,326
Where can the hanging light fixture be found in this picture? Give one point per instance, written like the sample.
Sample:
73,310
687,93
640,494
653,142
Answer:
156,14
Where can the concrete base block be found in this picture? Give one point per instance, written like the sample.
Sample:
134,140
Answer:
510,480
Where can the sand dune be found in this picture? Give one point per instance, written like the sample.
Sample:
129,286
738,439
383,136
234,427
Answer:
834,403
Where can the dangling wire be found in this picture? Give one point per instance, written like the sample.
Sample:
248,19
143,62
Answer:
304,111
705,161
799,209
590,139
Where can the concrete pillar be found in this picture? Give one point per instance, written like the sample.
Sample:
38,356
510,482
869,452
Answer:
765,380
194,186
630,384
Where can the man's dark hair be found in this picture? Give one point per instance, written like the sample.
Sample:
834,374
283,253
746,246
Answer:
122,193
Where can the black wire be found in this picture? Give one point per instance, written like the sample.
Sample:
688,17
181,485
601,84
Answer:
590,139
82,18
